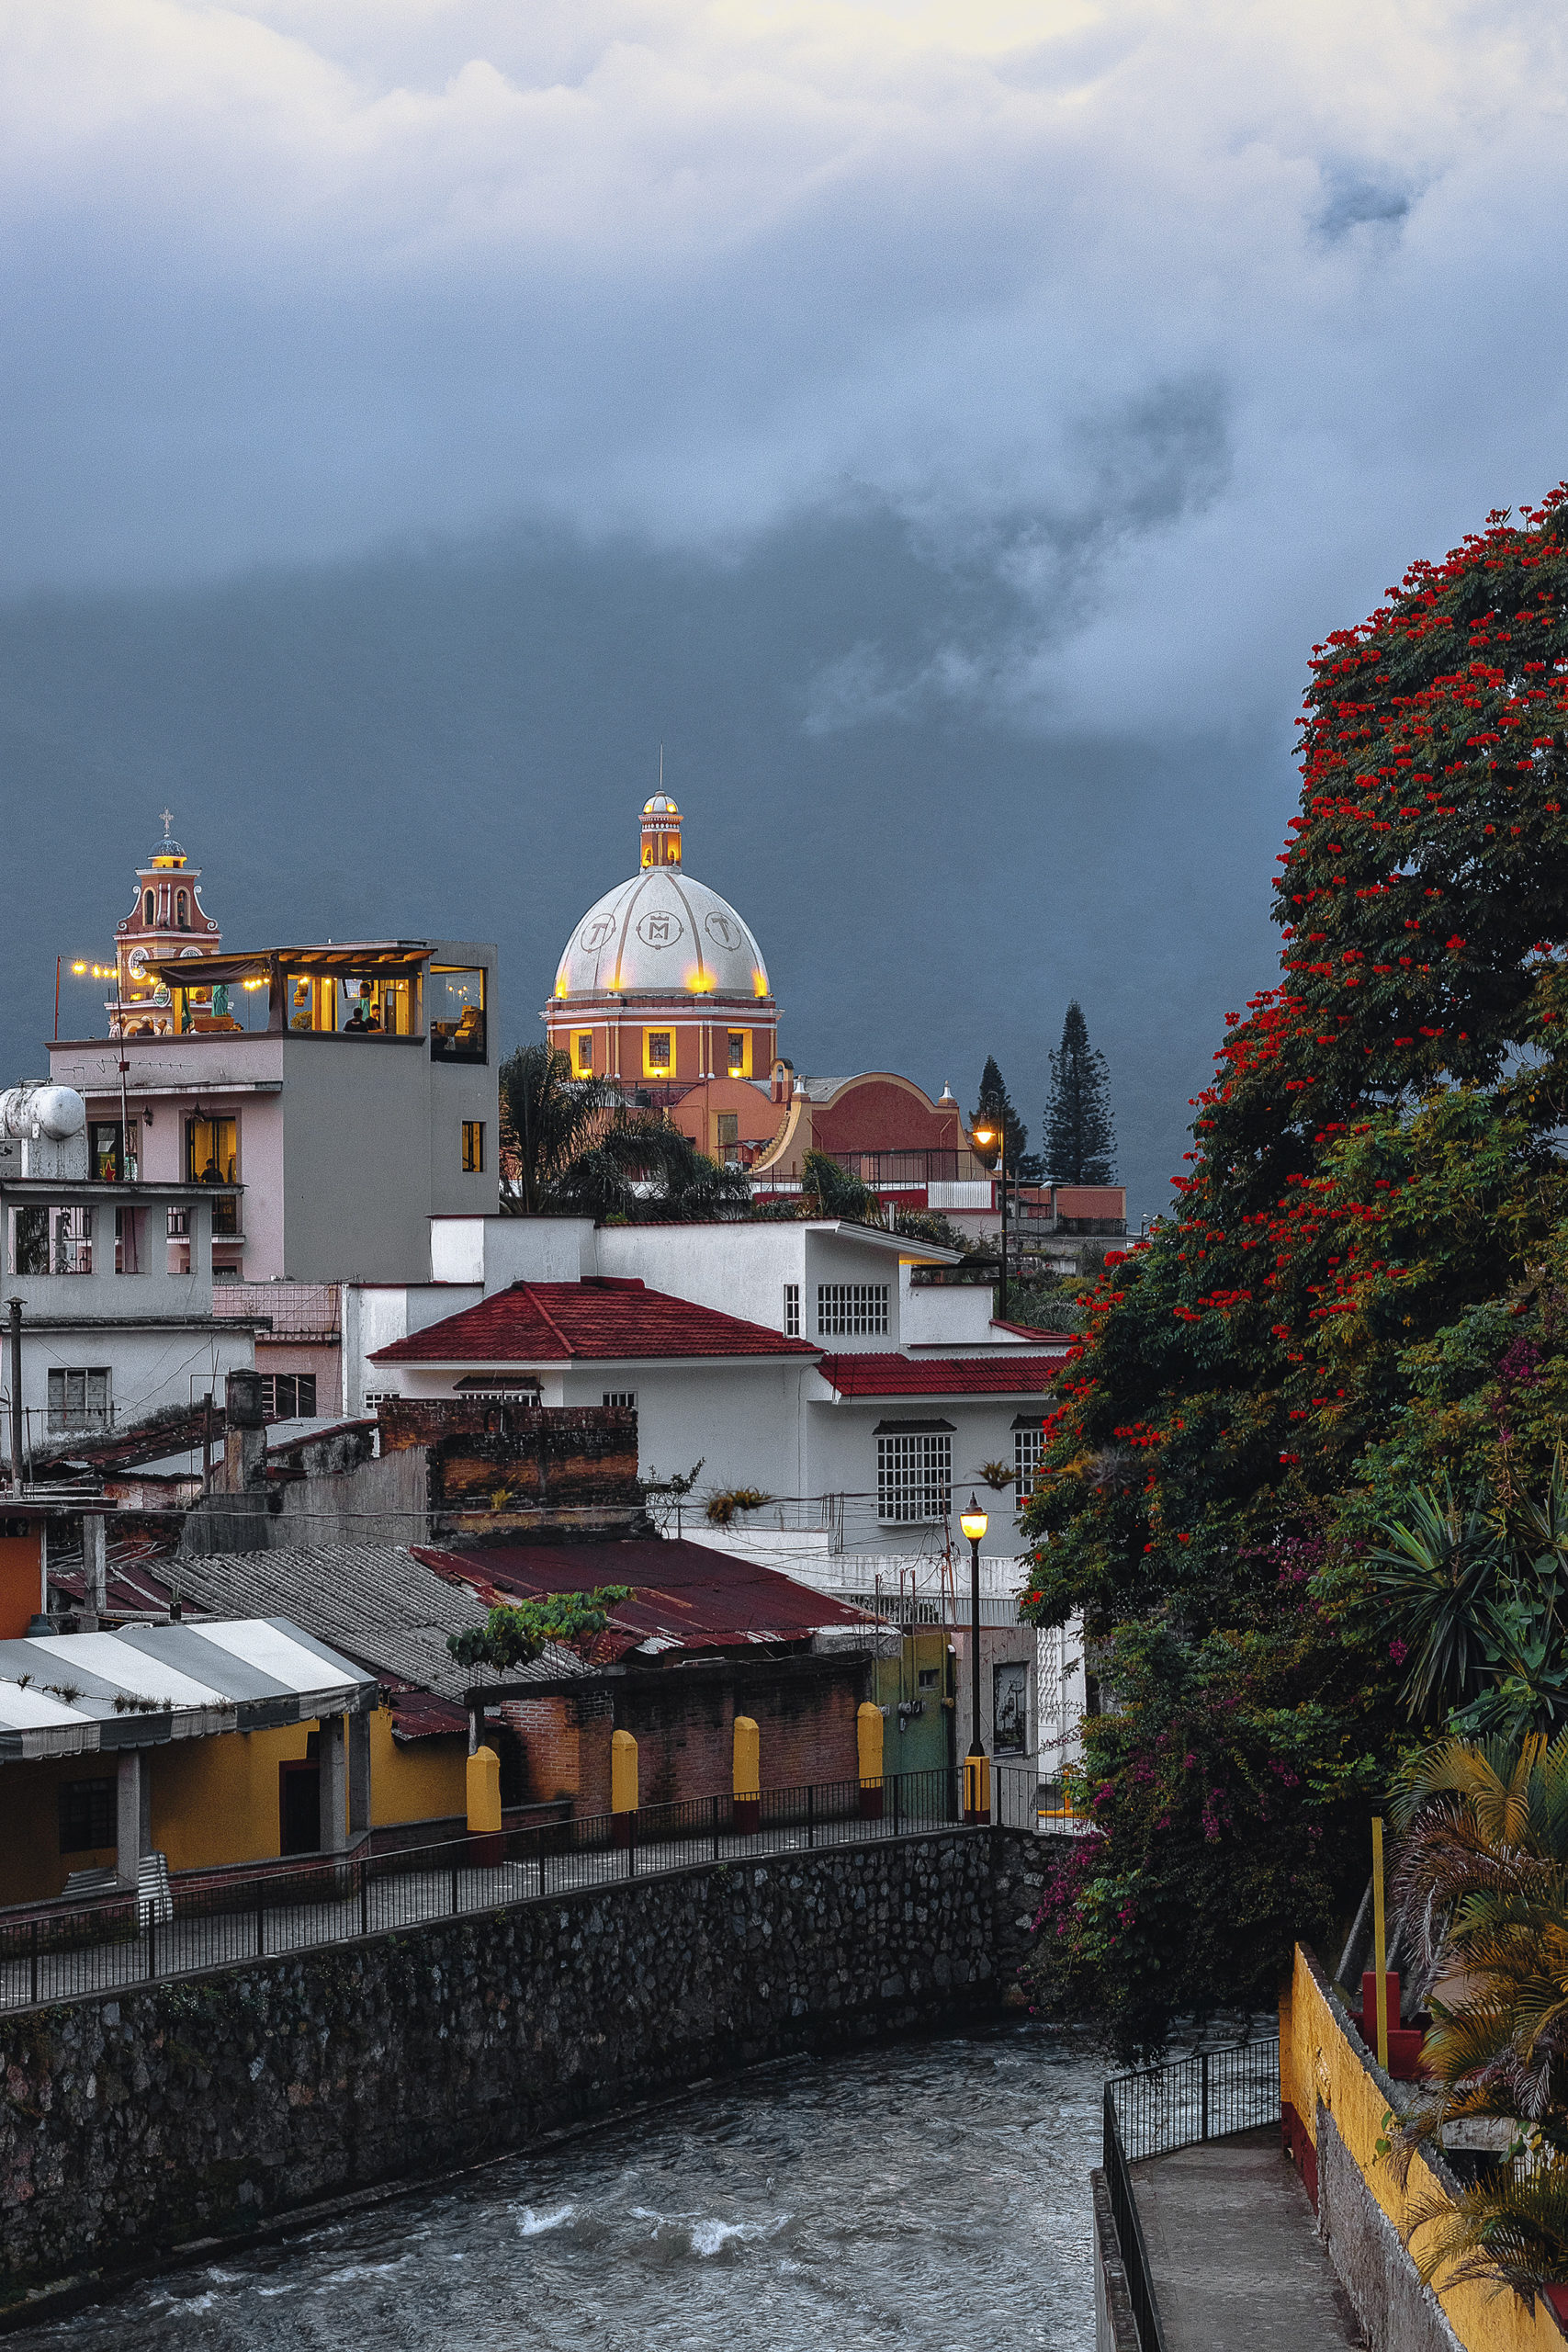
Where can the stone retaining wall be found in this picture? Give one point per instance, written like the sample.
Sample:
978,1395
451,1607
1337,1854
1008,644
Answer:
207,2105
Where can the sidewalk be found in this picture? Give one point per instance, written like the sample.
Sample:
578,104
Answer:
1234,2253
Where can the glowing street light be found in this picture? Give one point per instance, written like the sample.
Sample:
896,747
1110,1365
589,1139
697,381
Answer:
977,1764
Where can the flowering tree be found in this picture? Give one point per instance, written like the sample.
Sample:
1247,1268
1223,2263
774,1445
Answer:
1364,1282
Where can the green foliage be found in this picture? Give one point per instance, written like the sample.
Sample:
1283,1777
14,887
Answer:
548,1119
514,1633
642,1168
1364,1286
1481,1893
994,1109
1079,1137
828,1190
1224,1784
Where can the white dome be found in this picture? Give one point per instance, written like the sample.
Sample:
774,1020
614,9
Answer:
660,933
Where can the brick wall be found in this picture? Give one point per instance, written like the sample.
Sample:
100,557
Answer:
684,1728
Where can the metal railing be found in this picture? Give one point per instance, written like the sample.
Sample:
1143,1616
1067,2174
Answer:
1130,2231
54,1953
1207,2096
1158,2109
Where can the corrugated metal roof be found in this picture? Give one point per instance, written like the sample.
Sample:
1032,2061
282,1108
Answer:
685,1596
376,1602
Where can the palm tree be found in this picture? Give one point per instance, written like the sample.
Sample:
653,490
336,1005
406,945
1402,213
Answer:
639,1165
1482,1887
548,1120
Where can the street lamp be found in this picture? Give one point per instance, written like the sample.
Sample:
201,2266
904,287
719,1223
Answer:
990,1148
977,1764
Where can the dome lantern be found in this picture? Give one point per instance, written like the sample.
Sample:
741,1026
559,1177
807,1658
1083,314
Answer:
660,832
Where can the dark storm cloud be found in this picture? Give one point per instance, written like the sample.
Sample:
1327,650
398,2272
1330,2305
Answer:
946,425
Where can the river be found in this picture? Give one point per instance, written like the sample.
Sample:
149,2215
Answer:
933,2196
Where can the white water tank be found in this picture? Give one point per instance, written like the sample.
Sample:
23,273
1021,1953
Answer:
43,1132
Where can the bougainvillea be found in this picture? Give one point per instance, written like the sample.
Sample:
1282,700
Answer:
1375,1215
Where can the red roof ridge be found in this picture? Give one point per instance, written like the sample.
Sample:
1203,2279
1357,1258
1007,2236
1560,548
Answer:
543,1312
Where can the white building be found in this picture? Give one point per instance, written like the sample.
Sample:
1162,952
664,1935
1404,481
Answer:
113,1279
795,1360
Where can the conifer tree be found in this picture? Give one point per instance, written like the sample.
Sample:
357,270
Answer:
1080,1142
995,1105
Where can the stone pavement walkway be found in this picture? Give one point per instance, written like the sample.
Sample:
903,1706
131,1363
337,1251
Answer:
1234,2249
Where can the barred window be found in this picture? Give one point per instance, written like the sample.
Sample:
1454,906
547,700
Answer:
80,1399
791,1311
288,1396
914,1478
621,1400
1028,1452
851,1310
87,1815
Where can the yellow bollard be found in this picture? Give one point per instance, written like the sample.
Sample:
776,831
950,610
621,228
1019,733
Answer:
748,1785
977,1787
868,1743
623,1785
484,1793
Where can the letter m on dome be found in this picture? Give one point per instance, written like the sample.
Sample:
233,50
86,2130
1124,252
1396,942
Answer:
656,930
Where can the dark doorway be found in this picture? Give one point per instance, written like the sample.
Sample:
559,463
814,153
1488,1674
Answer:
299,1808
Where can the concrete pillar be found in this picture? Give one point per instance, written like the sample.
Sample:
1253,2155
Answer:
96,1574
332,1756
134,1831
359,1773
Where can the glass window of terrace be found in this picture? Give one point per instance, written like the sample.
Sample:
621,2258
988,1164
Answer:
457,1012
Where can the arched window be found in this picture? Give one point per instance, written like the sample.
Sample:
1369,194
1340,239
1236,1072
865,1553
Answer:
182,912
148,910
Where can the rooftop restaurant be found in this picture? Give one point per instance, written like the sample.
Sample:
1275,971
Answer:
367,989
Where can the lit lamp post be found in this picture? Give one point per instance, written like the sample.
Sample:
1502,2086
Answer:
977,1764
989,1146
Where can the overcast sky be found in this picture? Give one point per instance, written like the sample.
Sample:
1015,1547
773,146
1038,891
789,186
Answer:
946,427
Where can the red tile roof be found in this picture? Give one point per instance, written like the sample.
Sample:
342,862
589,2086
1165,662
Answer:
999,1373
1027,1331
604,1316
684,1597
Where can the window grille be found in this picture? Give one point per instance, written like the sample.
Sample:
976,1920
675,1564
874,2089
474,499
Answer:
1028,1453
288,1396
851,1310
473,1147
914,1479
79,1399
621,1400
88,1811
791,1311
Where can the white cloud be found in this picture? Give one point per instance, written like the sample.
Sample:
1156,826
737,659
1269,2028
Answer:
1190,322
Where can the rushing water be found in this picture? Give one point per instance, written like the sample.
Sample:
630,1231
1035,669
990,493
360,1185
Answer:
934,2197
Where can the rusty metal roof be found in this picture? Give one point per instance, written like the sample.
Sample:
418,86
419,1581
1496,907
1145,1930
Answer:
686,1598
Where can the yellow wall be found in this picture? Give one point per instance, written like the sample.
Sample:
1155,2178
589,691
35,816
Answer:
418,1782
1319,2058
214,1801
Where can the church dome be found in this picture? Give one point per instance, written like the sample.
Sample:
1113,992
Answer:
661,933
